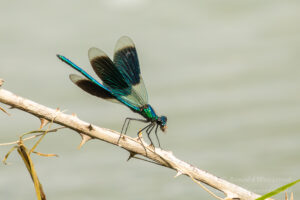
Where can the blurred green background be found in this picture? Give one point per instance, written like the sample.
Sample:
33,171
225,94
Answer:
226,73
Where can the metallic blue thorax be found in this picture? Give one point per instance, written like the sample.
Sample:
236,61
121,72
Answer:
148,112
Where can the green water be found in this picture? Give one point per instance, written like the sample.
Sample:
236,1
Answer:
225,73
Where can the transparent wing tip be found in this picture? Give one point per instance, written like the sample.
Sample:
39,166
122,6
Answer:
124,42
95,53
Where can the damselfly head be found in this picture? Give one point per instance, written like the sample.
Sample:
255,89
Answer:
162,122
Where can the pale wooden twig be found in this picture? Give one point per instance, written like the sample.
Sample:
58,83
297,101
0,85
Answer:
133,145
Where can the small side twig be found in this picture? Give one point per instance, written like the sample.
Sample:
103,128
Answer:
31,137
2,109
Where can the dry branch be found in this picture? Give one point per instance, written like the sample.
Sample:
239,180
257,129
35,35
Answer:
133,145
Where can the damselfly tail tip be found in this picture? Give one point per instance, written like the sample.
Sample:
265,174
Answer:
59,56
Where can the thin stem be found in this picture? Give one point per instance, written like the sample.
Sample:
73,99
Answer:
31,137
